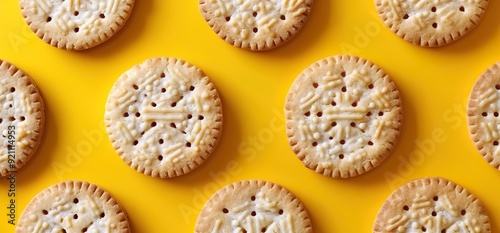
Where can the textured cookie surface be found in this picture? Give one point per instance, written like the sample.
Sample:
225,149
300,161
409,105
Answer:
255,24
164,117
73,206
75,24
431,23
432,205
253,206
21,120
343,116
483,115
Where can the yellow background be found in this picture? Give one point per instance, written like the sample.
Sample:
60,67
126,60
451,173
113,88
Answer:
434,85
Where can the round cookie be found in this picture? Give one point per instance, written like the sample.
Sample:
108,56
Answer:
483,115
164,117
255,25
432,205
343,116
431,23
22,118
75,24
253,206
73,206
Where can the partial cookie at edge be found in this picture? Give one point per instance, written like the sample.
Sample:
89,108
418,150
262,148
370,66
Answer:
483,115
22,118
73,206
72,26
256,25
431,23
253,206
432,205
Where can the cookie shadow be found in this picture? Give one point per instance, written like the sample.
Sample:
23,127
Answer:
493,221
42,159
223,155
382,175
124,38
312,30
479,36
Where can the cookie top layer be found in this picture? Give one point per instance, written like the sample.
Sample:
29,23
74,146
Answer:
253,206
22,118
432,205
431,23
255,24
75,24
73,206
483,115
343,116
164,117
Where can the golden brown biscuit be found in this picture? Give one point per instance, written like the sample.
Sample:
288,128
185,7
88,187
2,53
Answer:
432,205
75,24
431,23
255,24
483,115
253,206
164,117
73,206
343,116
22,118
